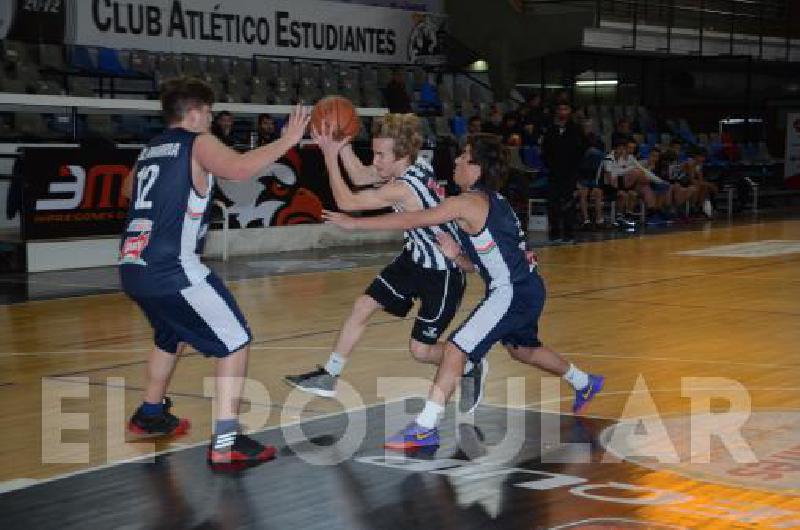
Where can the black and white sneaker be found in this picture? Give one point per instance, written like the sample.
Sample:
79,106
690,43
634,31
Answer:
472,386
236,448
318,382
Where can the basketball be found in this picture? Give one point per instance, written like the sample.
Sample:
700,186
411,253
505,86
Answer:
340,113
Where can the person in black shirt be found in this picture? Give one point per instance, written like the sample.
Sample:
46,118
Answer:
266,129
222,128
397,99
562,150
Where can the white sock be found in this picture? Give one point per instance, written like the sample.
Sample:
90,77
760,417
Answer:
577,378
335,364
429,416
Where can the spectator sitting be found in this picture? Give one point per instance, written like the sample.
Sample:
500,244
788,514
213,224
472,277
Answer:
662,189
495,123
474,126
222,128
266,129
706,191
397,99
622,132
536,113
429,102
624,179
681,190
510,130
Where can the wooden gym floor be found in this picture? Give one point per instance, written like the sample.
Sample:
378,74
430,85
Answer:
683,338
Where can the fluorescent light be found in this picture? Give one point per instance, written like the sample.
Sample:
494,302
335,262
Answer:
538,85
598,82
479,66
739,121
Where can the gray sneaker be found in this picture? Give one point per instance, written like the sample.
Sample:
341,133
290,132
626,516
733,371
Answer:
318,382
472,386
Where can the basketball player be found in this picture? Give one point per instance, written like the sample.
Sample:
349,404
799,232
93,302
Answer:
160,264
404,181
515,295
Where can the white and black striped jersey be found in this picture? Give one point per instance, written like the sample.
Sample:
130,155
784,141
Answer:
421,242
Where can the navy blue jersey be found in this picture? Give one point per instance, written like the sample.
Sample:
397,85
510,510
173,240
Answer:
421,242
498,250
167,220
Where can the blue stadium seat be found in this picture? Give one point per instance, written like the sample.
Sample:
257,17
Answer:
108,61
81,59
459,126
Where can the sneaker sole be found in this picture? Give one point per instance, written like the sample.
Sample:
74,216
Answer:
404,446
316,391
137,433
236,457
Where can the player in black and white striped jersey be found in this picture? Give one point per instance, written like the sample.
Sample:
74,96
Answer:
404,181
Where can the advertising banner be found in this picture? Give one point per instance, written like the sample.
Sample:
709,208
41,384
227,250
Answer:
314,29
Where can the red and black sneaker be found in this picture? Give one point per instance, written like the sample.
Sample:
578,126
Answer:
235,448
164,424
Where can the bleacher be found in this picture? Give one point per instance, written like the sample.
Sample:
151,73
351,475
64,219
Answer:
135,74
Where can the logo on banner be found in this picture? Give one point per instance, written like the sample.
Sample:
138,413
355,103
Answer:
276,198
79,189
426,44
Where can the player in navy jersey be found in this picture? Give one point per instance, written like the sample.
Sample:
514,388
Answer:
404,181
170,188
494,244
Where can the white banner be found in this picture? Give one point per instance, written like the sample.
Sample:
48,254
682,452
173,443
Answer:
296,28
792,158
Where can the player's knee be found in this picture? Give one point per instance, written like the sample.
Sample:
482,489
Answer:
419,351
363,308
452,354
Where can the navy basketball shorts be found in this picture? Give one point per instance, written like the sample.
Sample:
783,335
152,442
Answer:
203,315
509,314
439,294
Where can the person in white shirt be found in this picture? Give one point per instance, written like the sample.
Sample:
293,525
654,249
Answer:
626,179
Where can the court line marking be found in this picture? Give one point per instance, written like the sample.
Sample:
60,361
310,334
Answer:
661,391
23,484
598,355
682,306
360,267
644,523
677,359
268,406
183,447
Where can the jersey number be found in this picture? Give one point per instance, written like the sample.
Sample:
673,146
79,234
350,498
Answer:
144,183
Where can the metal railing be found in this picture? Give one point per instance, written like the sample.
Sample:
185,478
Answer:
733,18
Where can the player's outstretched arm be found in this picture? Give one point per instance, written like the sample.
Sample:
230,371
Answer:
450,209
360,175
224,162
346,199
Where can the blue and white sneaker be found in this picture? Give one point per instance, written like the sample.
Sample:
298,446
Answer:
413,437
585,395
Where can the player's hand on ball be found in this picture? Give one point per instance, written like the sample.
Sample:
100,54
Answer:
342,220
325,140
296,124
450,247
